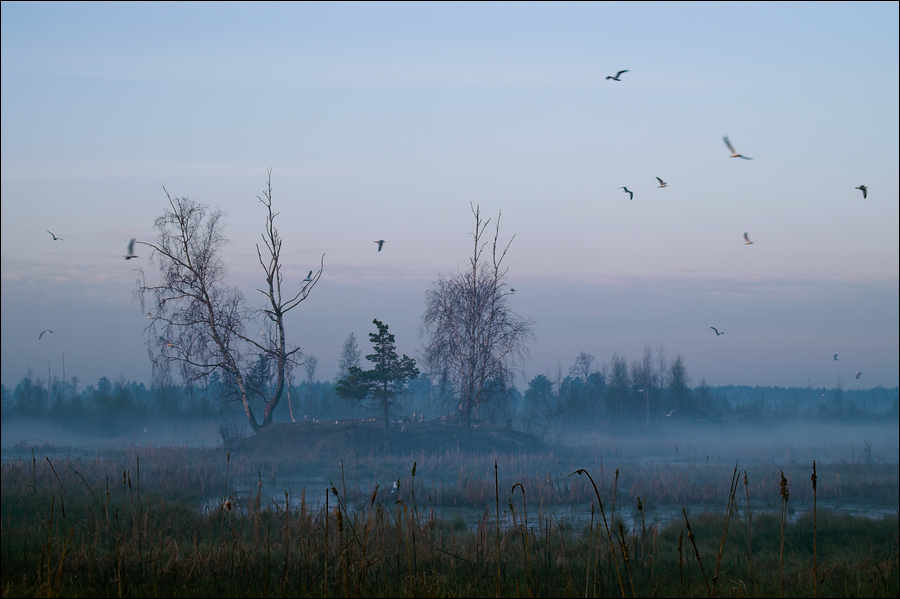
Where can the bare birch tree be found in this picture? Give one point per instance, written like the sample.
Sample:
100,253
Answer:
198,321
475,339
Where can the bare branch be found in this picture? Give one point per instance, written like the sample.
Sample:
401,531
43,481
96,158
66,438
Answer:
475,339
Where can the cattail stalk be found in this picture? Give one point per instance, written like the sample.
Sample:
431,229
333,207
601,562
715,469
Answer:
785,493
696,551
815,549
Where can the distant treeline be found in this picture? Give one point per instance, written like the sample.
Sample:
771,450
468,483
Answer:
650,390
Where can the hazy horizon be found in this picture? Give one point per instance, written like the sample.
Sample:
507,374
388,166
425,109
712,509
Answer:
387,121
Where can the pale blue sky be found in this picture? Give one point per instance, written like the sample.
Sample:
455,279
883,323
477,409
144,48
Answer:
384,121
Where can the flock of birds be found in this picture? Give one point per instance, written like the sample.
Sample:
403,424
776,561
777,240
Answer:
734,154
380,242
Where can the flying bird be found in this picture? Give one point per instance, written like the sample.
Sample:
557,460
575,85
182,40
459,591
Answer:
630,193
670,412
862,188
858,374
747,240
733,153
616,77
130,253
380,243
55,238
835,357
661,182
717,331
308,278
49,331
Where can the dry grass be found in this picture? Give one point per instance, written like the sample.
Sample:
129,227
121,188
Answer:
196,522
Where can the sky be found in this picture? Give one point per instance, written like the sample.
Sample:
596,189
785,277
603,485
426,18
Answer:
391,120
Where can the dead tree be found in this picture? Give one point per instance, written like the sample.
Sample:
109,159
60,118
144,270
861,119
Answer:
198,321
475,340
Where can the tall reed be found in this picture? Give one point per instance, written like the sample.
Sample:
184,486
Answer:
785,493
813,478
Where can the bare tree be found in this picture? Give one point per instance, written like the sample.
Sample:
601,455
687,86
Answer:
583,367
618,386
198,321
349,357
310,363
475,339
679,387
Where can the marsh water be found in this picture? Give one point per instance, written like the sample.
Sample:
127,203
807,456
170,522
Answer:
625,464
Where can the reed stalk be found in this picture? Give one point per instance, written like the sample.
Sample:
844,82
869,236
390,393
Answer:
696,551
497,505
729,510
750,533
785,493
612,548
815,544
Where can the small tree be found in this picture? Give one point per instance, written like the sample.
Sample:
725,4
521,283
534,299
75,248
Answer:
618,386
349,356
541,406
378,388
679,388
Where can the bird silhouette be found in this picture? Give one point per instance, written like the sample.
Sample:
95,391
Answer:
835,357
747,240
308,277
717,331
661,182
130,253
862,188
49,331
380,243
616,77
858,374
55,238
733,153
511,290
630,193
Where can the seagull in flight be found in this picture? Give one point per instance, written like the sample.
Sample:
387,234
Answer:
747,240
55,238
835,357
130,253
308,278
380,243
661,182
717,331
616,77
49,331
629,192
858,374
670,412
733,153
862,188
